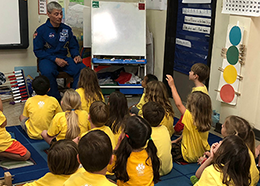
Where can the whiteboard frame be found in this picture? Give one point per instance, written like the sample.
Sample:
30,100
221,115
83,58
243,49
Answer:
120,46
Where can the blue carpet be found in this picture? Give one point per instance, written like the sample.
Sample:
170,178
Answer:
36,148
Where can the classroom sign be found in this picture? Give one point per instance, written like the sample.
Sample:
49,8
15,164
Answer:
230,77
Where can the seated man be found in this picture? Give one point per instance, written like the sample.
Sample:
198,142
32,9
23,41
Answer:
51,43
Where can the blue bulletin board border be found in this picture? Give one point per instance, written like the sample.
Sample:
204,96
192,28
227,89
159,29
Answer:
199,47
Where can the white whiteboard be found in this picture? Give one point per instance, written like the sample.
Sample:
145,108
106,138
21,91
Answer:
118,29
10,29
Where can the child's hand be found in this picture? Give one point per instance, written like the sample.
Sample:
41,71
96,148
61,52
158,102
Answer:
214,149
201,159
170,80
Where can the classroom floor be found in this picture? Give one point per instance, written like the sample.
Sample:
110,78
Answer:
179,175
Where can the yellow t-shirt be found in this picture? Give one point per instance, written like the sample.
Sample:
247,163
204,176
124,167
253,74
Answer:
40,110
84,104
49,179
210,176
140,104
162,141
138,171
202,89
117,135
5,137
59,124
88,179
168,123
253,169
108,131
194,143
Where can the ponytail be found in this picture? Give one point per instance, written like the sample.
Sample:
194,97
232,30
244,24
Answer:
73,129
122,154
152,153
71,102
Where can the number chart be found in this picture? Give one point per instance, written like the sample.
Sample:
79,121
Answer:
242,7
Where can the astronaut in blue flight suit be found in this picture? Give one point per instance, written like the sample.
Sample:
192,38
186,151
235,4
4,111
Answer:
51,43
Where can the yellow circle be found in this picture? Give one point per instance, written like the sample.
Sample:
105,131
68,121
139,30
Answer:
230,74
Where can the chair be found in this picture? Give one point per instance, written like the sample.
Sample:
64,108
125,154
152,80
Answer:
67,78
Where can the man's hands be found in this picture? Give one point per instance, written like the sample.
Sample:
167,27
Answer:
77,59
61,62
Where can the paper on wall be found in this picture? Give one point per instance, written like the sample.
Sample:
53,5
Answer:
156,4
197,20
198,12
239,7
193,28
196,1
183,42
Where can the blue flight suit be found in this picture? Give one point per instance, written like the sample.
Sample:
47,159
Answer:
50,43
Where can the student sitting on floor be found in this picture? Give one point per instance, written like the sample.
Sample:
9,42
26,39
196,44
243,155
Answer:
156,91
235,125
199,72
62,162
197,123
137,109
118,112
69,124
40,109
136,161
154,113
98,117
95,152
230,164
10,148
88,88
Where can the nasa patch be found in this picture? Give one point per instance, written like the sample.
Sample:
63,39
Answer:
51,35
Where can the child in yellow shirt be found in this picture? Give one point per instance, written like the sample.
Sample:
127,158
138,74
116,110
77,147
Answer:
230,164
242,128
71,123
40,109
62,162
137,109
136,157
88,88
153,112
118,112
197,123
95,152
156,91
10,148
98,117
198,74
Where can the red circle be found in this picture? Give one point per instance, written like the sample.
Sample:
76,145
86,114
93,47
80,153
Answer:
227,93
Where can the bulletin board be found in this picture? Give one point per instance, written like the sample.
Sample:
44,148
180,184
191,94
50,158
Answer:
118,28
14,24
192,35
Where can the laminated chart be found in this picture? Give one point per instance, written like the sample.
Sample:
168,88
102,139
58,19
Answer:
231,67
242,7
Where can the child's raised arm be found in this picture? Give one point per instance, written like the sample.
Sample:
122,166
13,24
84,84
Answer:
175,94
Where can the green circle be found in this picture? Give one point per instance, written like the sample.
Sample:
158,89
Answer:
232,55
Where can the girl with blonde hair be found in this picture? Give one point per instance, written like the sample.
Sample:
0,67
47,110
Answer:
70,123
156,91
88,88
